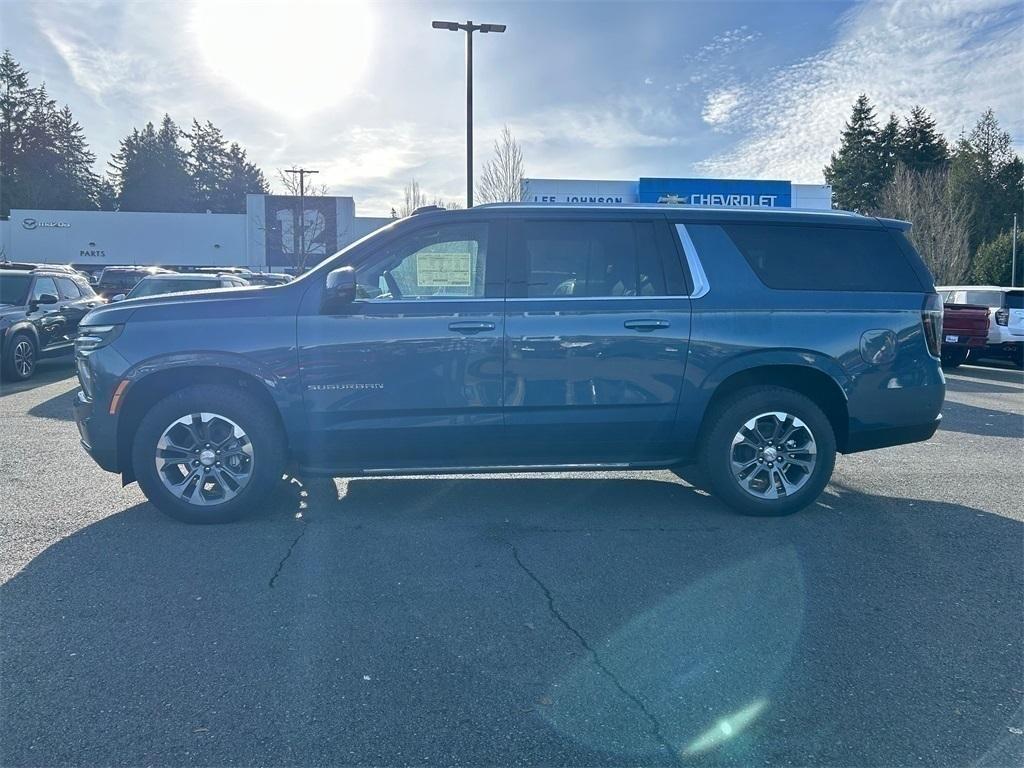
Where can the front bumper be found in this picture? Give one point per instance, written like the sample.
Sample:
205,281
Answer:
871,439
98,433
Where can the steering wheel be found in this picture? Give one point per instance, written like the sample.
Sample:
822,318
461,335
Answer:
393,289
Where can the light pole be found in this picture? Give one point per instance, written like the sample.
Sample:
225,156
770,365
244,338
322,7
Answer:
469,28
300,262
1013,258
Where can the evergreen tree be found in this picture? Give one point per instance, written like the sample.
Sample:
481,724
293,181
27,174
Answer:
888,147
920,146
856,171
38,162
994,260
14,108
150,170
207,164
75,186
986,172
244,178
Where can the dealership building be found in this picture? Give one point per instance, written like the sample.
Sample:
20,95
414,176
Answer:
266,236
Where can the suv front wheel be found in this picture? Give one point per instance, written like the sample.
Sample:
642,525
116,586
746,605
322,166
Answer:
768,451
208,454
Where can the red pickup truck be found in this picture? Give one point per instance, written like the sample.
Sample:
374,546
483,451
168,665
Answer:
964,327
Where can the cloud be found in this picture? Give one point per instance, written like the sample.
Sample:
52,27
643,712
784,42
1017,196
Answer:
954,57
720,104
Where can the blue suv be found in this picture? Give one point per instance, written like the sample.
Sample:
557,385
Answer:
744,347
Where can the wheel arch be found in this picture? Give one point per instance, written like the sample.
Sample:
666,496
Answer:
812,382
143,392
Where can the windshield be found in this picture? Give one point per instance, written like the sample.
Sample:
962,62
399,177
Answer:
158,287
14,288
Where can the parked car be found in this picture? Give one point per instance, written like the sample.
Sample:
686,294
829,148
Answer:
158,285
40,310
755,342
269,278
964,328
117,280
1006,312
240,271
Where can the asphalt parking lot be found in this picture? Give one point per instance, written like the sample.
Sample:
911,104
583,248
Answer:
593,619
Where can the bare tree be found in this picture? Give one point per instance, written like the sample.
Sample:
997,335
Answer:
941,220
413,198
298,238
449,205
290,182
501,180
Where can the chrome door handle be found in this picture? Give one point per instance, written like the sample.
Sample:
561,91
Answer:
471,326
646,326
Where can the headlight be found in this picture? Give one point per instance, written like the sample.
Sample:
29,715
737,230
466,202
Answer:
92,337
84,376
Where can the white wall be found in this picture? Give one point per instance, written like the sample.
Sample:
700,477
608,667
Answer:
578,191
102,238
817,197
106,237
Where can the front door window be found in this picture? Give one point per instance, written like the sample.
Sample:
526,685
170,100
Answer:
448,261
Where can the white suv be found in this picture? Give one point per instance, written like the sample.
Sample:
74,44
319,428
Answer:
1006,312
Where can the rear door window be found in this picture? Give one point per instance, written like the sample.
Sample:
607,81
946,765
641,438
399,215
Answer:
823,258
68,288
590,259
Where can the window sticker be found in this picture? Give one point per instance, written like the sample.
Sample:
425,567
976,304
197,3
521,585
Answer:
444,270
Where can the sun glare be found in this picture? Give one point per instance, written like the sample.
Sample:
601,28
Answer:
294,56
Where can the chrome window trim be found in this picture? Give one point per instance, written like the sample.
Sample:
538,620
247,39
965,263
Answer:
589,298
701,286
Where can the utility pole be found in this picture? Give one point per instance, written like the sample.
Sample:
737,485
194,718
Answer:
300,261
469,28
1013,259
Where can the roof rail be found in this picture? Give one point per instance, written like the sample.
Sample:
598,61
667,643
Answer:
426,209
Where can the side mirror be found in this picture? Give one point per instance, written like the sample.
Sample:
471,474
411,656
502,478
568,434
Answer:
340,289
118,297
44,298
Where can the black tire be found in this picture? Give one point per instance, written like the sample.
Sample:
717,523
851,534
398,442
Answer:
17,367
261,428
725,422
954,358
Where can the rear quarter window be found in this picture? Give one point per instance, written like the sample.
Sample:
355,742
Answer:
822,258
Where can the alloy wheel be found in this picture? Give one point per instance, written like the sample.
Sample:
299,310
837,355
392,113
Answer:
204,459
773,455
24,358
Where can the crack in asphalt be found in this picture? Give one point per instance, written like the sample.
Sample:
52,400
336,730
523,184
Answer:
288,554
596,659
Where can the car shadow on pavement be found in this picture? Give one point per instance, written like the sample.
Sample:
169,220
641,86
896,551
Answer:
974,420
539,620
47,372
60,407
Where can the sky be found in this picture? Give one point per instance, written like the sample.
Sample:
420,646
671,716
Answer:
372,97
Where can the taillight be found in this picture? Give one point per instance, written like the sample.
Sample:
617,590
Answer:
1002,317
931,319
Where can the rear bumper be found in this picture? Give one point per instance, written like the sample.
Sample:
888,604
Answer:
868,440
98,436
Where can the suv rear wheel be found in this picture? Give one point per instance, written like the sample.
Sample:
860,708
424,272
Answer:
208,454
768,451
